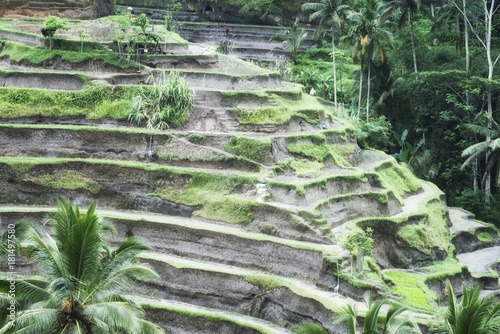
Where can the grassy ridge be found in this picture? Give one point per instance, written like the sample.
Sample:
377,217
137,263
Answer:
19,52
93,102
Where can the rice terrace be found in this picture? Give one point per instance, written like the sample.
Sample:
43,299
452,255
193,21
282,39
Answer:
261,166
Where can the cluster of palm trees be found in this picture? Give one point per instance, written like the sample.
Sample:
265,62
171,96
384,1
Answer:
81,290
364,26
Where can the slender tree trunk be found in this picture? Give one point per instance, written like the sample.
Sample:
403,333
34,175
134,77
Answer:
467,63
488,15
334,71
466,36
476,174
413,42
368,87
360,87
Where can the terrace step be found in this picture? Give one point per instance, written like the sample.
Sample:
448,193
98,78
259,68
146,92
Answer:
189,237
183,318
281,300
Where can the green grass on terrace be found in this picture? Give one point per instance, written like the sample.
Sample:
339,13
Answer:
398,178
92,102
68,179
308,108
20,52
250,148
211,193
70,127
411,288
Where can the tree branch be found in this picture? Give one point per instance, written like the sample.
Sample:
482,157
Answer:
470,24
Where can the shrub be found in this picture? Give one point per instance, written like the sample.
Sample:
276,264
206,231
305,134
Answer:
164,103
52,25
374,134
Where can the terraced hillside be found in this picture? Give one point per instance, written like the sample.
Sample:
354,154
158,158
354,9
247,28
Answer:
247,204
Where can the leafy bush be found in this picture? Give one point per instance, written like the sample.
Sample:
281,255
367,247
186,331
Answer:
52,25
474,202
374,134
141,21
164,103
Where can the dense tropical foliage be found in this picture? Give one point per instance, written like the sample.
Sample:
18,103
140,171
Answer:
423,68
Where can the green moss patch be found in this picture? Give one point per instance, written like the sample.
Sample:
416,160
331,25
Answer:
317,152
398,178
19,52
213,316
252,149
411,288
95,102
484,237
444,269
68,179
417,237
263,281
437,227
71,127
211,193
431,232
308,109
338,153
304,168
226,208
197,138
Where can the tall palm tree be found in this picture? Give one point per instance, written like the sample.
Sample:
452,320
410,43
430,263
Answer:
368,37
472,315
80,290
393,322
292,39
408,9
489,149
329,13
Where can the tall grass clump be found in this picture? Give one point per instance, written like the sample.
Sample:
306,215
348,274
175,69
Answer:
166,101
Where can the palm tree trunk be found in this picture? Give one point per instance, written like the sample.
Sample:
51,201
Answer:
334,71
413,42
360,87
476,173
368,88
487,183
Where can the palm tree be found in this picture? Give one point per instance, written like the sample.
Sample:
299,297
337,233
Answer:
392,323
80,290
472,315
291,38
328,12
489,149
368,37
408,8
